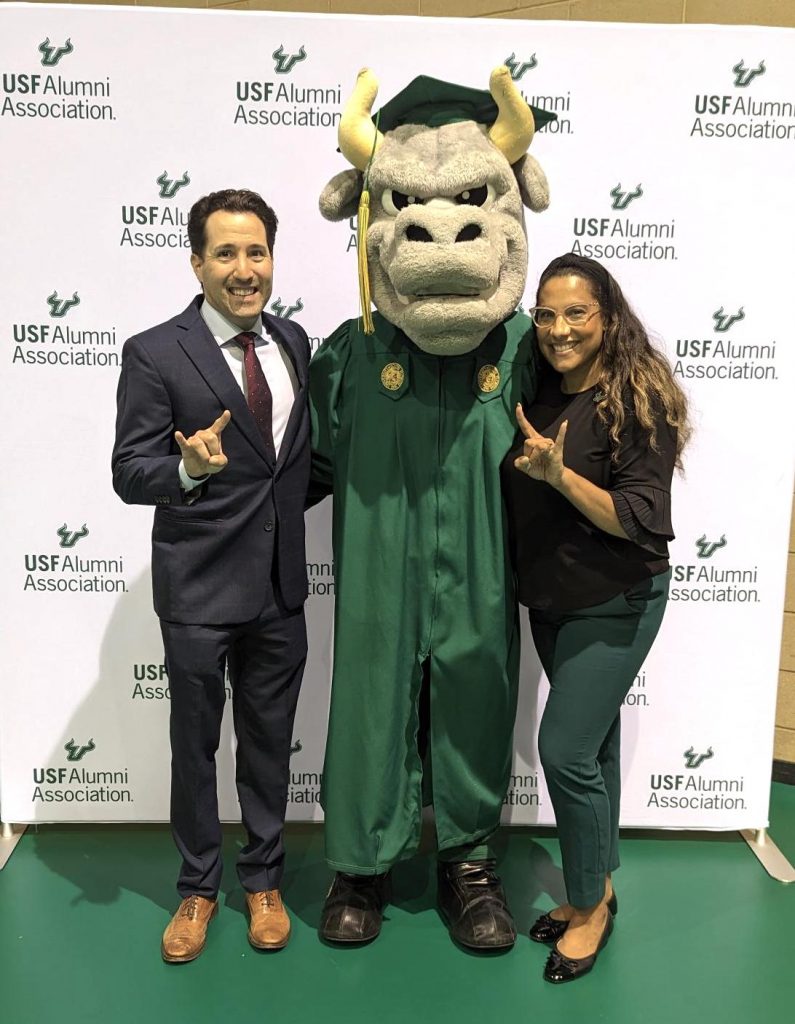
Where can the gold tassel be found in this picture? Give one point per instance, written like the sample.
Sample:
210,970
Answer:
363,222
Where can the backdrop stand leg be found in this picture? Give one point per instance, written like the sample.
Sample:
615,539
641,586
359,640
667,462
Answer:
9,837
771,858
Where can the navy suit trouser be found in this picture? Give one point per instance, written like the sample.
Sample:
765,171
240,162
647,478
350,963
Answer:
265,659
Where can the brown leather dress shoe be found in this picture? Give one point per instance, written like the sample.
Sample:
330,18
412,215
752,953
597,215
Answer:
269,927
185,936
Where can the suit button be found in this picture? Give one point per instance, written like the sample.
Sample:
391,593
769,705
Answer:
268,525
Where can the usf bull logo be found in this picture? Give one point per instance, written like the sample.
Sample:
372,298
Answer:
60,307
518,70
296,747
52,54
69,539
743,76
621,200
707,548
723,321
284,62
278,307
694,760
170,186
75,753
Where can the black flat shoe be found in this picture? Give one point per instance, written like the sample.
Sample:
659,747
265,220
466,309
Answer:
472,903
549,929
354,908
560,968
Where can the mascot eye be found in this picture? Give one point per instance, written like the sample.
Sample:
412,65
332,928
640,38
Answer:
475,196
393,201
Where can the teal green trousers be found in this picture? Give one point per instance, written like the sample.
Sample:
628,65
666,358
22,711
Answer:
591,657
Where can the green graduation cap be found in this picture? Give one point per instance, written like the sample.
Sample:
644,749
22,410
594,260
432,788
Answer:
432,102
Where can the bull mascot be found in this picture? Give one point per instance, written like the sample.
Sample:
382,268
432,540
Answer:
413,410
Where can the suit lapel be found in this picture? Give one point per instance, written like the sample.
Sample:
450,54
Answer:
298,359
203,351
286,340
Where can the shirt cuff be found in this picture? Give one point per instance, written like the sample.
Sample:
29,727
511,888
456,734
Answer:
187,482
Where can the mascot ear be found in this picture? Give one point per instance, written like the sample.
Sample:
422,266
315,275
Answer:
532,183
339,200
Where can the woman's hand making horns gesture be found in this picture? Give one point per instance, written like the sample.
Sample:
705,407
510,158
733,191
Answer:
542,458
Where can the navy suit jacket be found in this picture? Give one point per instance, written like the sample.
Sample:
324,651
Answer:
215,556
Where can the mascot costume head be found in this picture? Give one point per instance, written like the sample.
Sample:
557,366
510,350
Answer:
447,172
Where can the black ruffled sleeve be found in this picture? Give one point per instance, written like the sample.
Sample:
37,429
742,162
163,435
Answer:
640,484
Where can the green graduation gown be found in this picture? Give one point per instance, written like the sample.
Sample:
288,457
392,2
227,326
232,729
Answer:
411,444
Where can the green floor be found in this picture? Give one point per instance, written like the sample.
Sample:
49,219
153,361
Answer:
702,935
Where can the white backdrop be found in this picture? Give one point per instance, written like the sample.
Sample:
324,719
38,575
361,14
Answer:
672,160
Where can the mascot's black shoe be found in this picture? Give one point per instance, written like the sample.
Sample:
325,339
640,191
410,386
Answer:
354,908
472,902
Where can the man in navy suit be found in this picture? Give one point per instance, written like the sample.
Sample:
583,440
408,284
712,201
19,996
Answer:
212,429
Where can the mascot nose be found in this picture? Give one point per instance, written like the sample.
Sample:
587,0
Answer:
415,233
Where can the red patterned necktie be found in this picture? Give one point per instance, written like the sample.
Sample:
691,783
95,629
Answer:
260,400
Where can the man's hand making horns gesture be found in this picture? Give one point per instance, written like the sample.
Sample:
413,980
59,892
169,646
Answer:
202,452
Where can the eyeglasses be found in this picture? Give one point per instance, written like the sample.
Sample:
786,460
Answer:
575,316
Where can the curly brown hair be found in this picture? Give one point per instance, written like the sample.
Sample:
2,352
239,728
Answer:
628,360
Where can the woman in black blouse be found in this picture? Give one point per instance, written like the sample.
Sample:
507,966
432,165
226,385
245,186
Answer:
589,496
